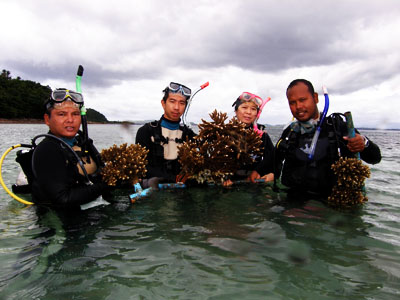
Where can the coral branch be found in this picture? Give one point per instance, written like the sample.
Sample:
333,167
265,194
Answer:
124,164
219,150
351,175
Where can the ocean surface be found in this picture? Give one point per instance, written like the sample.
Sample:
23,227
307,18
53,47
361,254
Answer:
243,242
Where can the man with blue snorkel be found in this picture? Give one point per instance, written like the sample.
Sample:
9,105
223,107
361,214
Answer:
163,137
63,176
312,143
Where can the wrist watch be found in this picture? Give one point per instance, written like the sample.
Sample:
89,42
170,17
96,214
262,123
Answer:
366,141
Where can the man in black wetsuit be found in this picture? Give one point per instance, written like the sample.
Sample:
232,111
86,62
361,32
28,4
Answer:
58,181
301,173
163,137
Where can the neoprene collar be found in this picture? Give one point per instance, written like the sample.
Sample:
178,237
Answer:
171,125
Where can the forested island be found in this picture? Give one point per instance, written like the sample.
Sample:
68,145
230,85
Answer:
23,100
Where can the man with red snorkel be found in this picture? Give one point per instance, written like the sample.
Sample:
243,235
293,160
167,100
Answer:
163,137
305,161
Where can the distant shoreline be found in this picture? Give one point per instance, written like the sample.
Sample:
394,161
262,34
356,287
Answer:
40,121
21,121
32,121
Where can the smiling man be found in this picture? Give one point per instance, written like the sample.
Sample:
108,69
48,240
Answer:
163,137
58,181
299,171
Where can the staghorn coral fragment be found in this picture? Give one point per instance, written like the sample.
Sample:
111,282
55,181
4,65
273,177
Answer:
219,149
124,164
351,174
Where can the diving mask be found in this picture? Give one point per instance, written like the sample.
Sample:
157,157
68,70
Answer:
60,98
179,88
61,95
246,97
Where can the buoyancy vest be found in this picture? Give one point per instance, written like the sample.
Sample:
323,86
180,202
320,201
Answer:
91,160
310,175
166,142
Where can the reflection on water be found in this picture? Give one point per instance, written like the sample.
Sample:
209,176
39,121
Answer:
244,242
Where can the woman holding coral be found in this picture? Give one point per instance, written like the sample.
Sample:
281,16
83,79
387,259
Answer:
247,107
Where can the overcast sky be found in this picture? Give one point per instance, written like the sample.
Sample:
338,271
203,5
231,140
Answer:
132,49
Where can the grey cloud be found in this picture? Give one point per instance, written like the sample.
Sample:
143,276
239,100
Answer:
95,75
263,36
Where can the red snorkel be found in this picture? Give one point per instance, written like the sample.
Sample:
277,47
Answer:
190,101
260,132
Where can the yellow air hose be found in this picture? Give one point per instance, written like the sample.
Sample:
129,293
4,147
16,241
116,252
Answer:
1,178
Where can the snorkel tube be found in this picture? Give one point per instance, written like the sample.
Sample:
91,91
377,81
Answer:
83,108
258,116
190,101
318,130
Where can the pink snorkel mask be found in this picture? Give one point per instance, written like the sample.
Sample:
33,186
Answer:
249,97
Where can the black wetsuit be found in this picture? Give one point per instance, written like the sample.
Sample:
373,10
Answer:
162,143
263,164
316,176
56,180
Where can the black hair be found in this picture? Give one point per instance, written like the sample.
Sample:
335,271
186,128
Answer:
236,104
48,106
306,82
239,102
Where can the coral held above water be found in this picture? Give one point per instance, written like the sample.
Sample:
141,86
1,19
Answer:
219,149
124,165
348,191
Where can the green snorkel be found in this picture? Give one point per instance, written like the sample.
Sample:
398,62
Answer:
83,109
79,79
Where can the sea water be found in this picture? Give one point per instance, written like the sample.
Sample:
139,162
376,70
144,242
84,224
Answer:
243,242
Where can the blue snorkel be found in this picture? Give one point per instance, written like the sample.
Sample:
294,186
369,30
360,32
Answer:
318,130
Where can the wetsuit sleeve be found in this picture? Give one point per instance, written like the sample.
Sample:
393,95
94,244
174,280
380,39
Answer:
143,137
371,154
266,165
279,154
57,181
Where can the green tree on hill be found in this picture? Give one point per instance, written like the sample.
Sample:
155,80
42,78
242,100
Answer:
21,98
94,116
24,99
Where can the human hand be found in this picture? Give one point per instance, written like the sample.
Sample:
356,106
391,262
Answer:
227,182
254,176
355,144
268,177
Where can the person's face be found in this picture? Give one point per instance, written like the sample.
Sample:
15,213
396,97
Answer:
174,106
64,121
247,112
302,103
